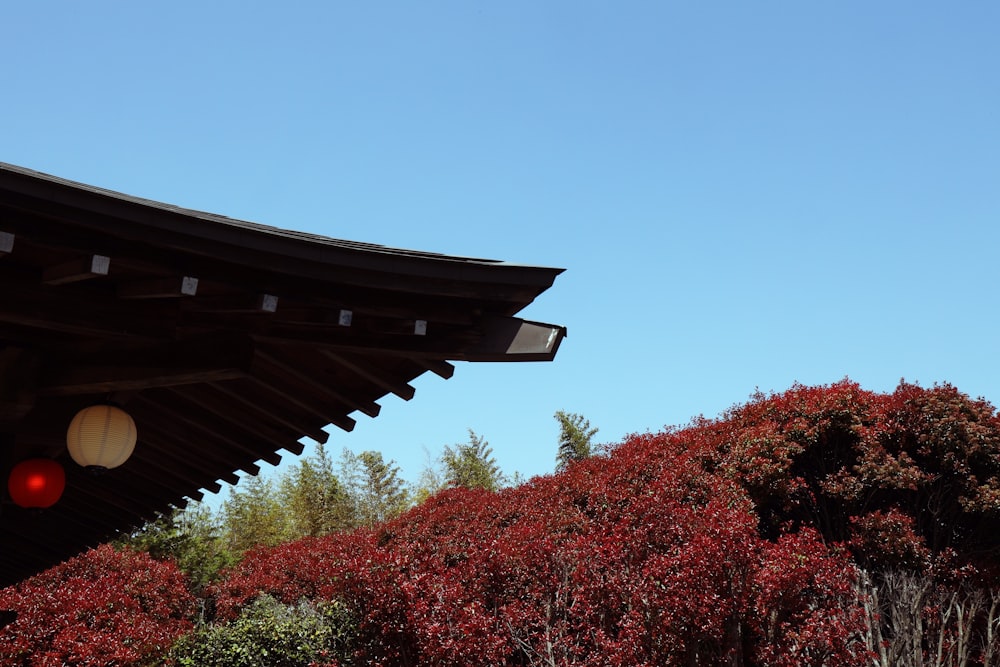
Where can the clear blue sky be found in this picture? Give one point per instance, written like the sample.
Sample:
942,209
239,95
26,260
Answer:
743,195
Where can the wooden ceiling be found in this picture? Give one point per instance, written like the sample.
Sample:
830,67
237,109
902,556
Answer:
225,340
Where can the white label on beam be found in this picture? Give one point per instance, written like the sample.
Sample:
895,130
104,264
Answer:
268,303
6,242
420,327
346,317
189,286
99,265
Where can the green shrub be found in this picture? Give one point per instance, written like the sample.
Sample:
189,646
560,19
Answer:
269,633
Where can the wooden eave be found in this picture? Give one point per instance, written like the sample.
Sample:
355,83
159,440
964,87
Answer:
226,340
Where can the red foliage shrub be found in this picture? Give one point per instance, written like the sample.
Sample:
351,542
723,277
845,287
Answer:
805,613
902,478
638,558
730,541
943,450
105,607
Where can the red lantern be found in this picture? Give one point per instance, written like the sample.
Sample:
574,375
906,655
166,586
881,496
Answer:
36,483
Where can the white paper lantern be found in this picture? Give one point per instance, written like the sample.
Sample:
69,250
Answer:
101,437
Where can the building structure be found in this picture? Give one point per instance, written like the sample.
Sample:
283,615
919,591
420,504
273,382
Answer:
225,341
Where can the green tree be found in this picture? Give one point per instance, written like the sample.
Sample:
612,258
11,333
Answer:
253,515
317,501
575,438
471,465
430,482
377,492
191,537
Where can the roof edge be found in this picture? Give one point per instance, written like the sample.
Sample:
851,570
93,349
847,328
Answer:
301,246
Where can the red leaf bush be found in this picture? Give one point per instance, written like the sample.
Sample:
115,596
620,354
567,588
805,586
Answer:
105,607
768,536
651,555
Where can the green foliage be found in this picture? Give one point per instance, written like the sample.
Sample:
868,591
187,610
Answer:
316,500
471,465
271,634
575,436
430,482
191,537
374,485
254,515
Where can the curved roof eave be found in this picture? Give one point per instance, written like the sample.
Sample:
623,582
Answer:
185,229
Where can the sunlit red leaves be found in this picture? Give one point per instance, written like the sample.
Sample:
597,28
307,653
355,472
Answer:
728,541
891,535
840,459
805,611
104,607
638,558
688,546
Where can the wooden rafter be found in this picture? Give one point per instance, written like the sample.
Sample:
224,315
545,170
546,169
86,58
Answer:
167,364
159,288
272,367
382,380
75,270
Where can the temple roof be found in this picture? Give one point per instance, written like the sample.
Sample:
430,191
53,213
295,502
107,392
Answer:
225,340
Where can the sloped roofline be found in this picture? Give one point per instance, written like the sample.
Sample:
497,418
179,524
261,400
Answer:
176,222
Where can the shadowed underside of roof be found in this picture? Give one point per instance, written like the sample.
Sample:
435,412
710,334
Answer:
225,340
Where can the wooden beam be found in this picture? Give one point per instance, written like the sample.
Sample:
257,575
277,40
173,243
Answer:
156,478
18,379
133,498
182,462
305,403
104,498
278,415
403,390
83,380
260,419
294,447
82,268
134,368
310,385
178,463
160,288
34,317
49,310
439,345
514,339
238,434
264,304
209,406
205,431
440,368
